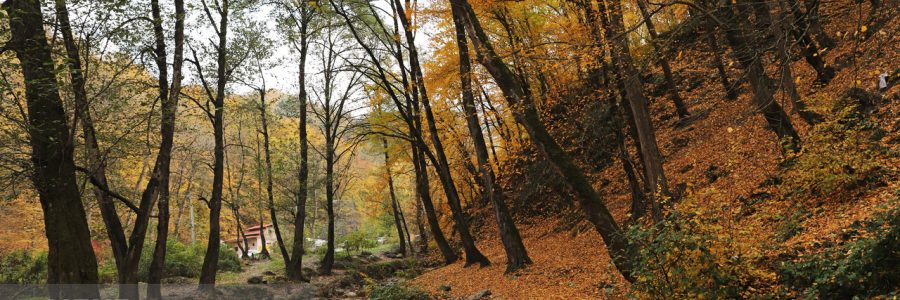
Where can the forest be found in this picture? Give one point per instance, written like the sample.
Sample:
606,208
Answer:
449,149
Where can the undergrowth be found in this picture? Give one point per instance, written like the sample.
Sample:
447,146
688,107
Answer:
838,153
865,267
695,252
23,267
397,291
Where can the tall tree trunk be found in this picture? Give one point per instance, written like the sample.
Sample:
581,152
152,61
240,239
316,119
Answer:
193,224
295,265
787,79
600,73
96,164
71,259
315,215
263,108
748,57
424,191
638,198
634,93
680,108
167,132
420,225
473,255
328,260
176,194
394,208
490,135
808,47
145,162
788,86
527,115
815,24
211,258
718,61
516,254
264,248
474,177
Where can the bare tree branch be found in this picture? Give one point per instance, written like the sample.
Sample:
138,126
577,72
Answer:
96,182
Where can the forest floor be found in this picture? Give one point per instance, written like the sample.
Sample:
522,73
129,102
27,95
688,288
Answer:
727,160
265,279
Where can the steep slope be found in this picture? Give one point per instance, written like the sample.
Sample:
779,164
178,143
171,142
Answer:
732,168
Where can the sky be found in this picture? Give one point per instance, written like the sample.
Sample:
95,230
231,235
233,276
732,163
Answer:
282,76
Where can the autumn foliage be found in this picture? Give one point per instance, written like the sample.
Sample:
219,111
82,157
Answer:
562,149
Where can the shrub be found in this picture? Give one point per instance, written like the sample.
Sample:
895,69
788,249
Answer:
837,153
397,291
186,261
790,226
411,270
357,240
228,260
181,260
865,267
320,251
693,253
23,267
107,272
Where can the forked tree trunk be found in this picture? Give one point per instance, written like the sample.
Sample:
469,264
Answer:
235,193
127,253
241,238
600,76
409,242
788,86
184,200
96,164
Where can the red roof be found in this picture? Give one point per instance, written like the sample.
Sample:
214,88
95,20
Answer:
256,228
251,232
241,238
